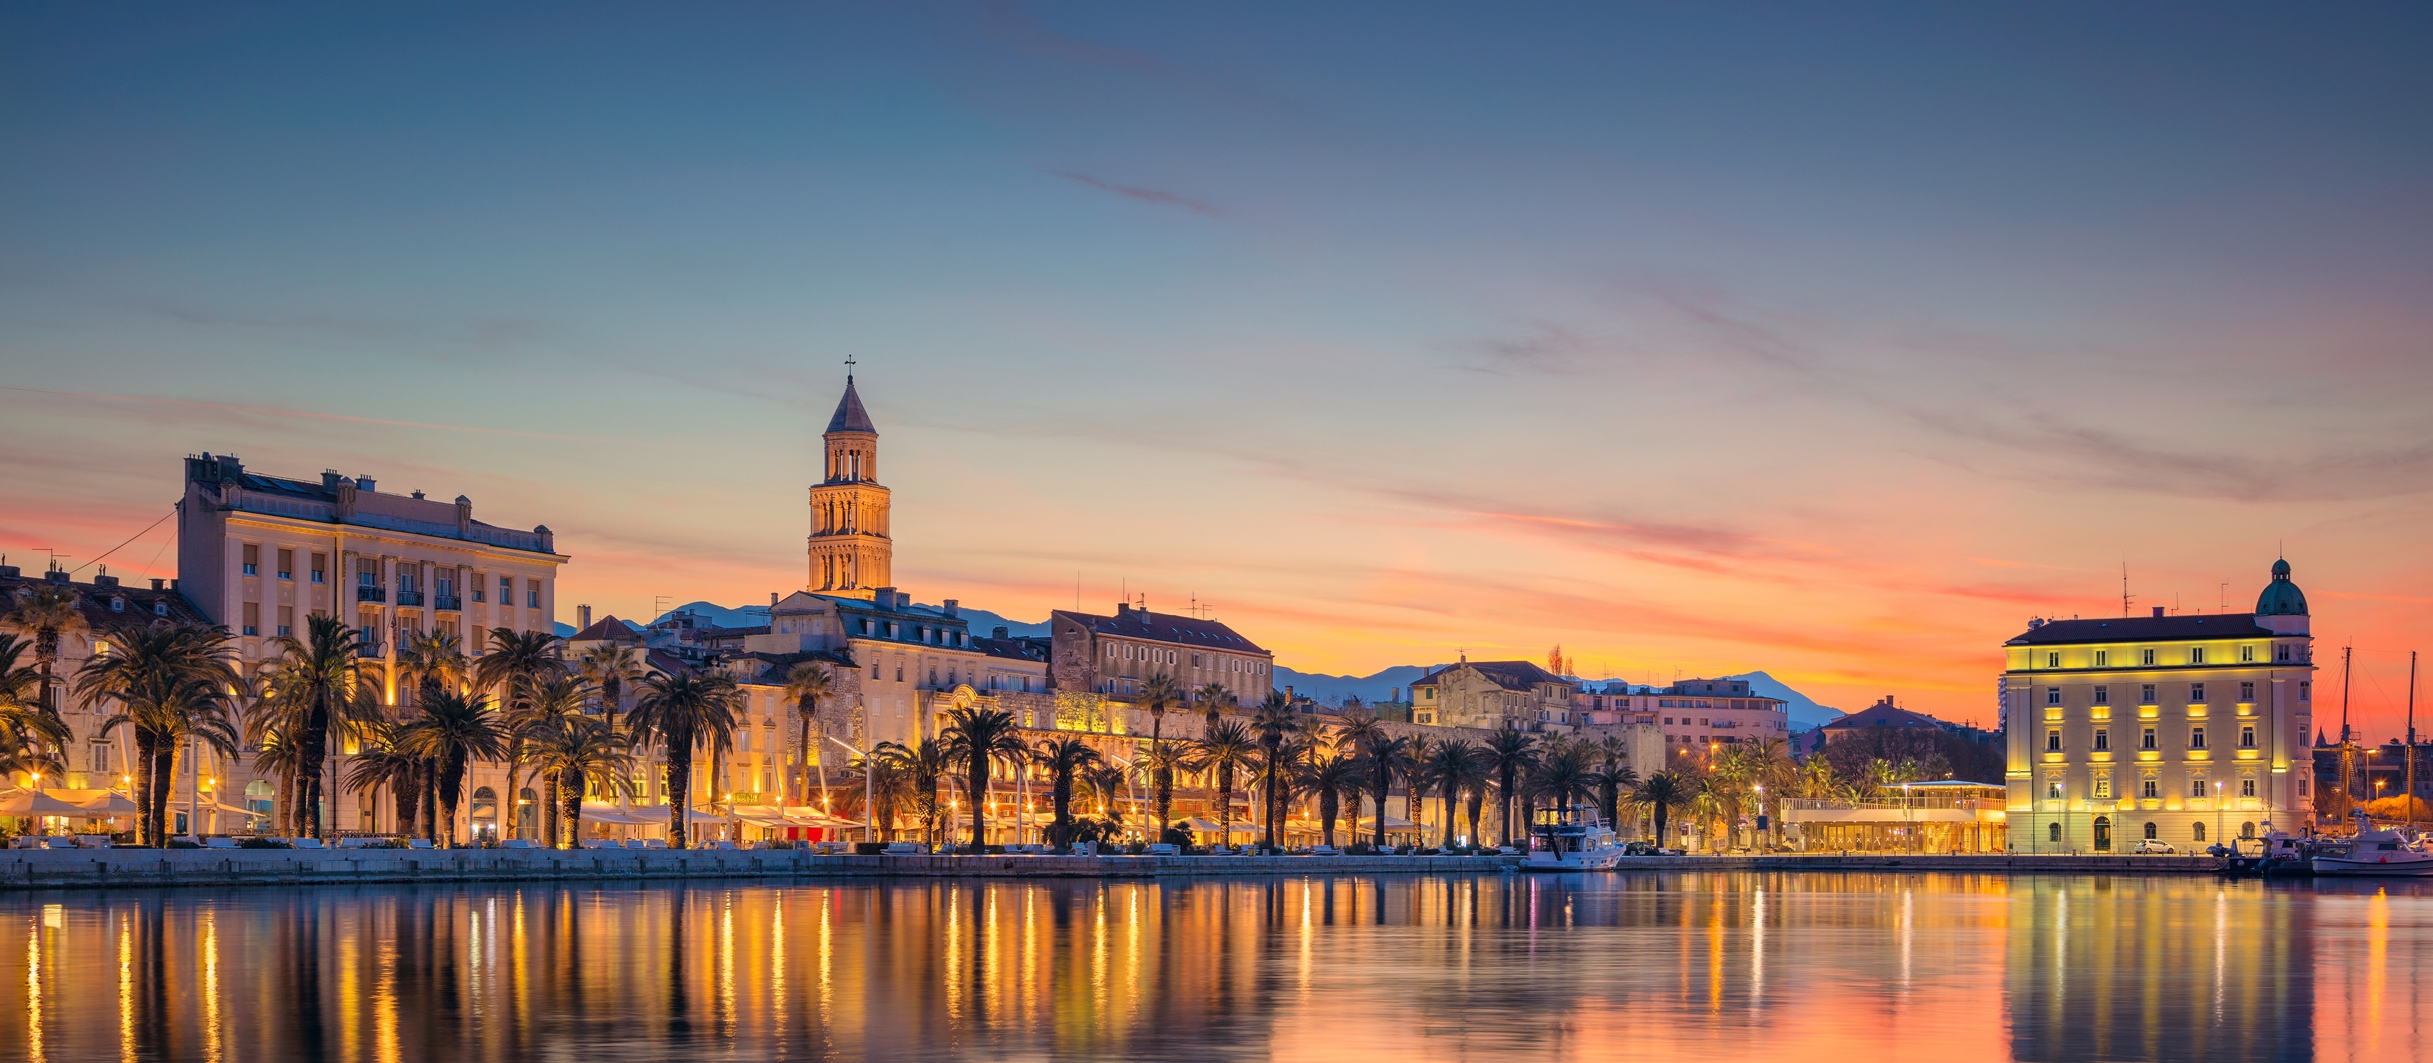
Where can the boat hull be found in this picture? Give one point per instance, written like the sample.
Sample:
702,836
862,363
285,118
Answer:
2340,865
1595,860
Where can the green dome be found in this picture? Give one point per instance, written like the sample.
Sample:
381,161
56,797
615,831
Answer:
2281,597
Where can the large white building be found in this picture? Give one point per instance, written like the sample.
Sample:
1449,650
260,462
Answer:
2181,728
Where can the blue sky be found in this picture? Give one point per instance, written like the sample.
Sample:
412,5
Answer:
1834,342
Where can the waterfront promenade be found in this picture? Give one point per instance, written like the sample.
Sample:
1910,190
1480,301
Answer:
151,868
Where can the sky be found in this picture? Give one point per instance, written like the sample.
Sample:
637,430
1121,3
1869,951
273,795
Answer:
1835,342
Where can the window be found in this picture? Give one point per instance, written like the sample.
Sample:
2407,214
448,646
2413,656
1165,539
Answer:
320,567
2306,690
2247,693
2247,736
532,593
118,605
2052,695
2103,739
2103,695
2247,654
101,648
253,618
2152,789
2052,741
2247,830
899,671
2052,789
2196,655
2052,832
2247,787
2280,653
2150,832
2145,694
874,669
160,608
506,590
287,620
253,560
2103,658
2148,742
2200,831
2196,738
2103,787
2052,660
2148,657
2196,693
2196,786
287,564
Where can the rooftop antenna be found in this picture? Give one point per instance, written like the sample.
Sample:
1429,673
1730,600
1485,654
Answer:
2224,607
2125,596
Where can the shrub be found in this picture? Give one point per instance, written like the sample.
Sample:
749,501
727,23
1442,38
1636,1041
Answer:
263,843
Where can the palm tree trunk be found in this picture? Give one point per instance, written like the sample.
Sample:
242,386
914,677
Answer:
515,790
1224,804
1327,807
1385,782
570,797
164,774
976,788
1450,791
805,709
679,790
144,751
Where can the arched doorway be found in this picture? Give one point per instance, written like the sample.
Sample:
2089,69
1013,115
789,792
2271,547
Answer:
2103,834
2247,830
485,813
528,814
2052,832
2200,832
2151,832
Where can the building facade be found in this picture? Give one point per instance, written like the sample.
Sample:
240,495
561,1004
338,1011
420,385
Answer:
2187,729
852,553
258,554
1494,696
1116,655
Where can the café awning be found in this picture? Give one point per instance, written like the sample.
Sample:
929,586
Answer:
33,803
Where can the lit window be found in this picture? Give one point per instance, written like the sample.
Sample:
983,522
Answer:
2148,741
2103,658
2247,693
2149,656
2247,787
2246,654
2247,737
2196,786
2196,655
2152,789
2103,787
2053,659
2052,741
2103,738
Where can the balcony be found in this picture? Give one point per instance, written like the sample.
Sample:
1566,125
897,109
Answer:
405,598
448,602
371,594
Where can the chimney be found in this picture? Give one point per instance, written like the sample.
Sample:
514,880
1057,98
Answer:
1123,609
157,582
884,598
56,576
2158,610
105,581
366,484
998,633
953,608
418,495
329,480
772,599
464,517
903,599
582,617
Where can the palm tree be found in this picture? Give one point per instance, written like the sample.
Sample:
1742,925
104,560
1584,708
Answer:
316,686
808,683
1614,777
430,662
549,703
1213,699
1064,758
516,662
975,739
1226,746
1159,692
1661,793
578,753
1457,767
1273,721
1382,754
380,764
1164,763
1563,773
170,683
1108,781
1511,755
32,737
683,713
451,731
608,667
1413,767
48,615
920,766
1328,775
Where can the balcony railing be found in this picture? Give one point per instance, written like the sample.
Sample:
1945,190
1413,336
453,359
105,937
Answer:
409,597
371,594
448,602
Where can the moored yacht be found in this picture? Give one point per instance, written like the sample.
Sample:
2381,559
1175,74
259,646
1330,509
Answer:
1571,839
2373,852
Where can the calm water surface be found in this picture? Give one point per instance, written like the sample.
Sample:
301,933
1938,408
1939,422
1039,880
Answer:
1646,966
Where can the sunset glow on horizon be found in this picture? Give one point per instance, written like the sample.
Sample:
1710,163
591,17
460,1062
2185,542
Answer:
1697,342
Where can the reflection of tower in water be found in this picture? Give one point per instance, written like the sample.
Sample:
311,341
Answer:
2162,967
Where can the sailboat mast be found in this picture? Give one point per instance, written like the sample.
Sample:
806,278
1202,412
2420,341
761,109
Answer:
2411,754
2348,749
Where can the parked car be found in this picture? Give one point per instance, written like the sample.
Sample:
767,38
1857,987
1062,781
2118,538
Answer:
2155,845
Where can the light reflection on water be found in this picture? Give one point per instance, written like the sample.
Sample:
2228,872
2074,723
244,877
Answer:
1647,966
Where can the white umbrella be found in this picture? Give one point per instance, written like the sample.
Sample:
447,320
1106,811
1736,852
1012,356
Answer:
106,803
31,803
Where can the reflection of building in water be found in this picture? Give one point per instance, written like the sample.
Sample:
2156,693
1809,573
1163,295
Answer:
2180,729
1928,817
2158,968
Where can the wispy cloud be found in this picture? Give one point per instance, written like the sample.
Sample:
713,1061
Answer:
229,407
1144,195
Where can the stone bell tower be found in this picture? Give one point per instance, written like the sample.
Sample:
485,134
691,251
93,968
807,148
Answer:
851,554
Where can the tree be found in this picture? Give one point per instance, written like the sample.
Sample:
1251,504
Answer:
451,731
921,764
1381,754
1614,777
1563,773
578,753
170,683
1159,692
381,764
1660,794
548,704
808,683
1214,699
430,663
1108,781
975,739
48,615
609,668
1511,756
1273,721
315,687
1457,766
1413,767
683,713
516,662
1225,748
1329,775
1164,763
32,737
1064,758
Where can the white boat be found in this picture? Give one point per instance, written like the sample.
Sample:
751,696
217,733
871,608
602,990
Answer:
1571,839
2373,852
